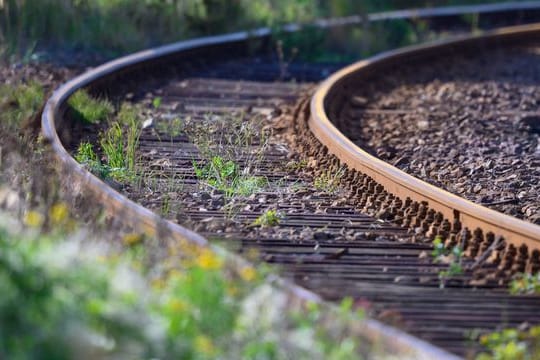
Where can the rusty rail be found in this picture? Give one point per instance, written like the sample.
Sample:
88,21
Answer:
460,212
140,218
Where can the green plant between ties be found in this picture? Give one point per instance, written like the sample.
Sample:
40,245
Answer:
224,175
118,142
525,283
88,109
87,157
229,156
269,218
453,258
328,182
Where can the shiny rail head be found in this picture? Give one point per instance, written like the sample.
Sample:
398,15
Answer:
330,94
134,214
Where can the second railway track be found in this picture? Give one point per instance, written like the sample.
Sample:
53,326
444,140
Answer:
331,237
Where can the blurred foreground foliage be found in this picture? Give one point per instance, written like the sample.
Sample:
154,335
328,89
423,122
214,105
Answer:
126,25
86,289
69,295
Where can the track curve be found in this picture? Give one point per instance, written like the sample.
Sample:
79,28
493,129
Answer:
120,73
460,213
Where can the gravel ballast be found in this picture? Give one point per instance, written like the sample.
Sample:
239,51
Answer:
467,123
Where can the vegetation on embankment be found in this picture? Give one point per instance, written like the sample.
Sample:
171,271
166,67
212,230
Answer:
126,25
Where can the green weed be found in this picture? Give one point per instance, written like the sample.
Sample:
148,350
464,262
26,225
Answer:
128,116
165,205
222,143
173,127
112,143
438,248
86,156
87,109
119,144
268,218
246,185
296,165
525,284
339,346
224,175
20,103
510,344
156,102
328,182
453,258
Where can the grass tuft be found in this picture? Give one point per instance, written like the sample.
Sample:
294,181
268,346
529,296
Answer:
268,218
119,145
112,143
453,258
232,148
89,110
20,103
328,182
87,157
225,175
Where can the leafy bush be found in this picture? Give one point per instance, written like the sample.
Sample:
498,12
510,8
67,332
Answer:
510,344
75,297
125,25
59,305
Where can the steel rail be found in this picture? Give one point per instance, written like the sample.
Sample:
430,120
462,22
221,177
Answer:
330,94
146,221
443,11
54,123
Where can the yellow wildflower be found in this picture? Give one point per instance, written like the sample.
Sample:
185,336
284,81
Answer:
203,344
132,239
187,248
534,331
34,219
58,213
158,283
252,254
248,273
175,274
232,290
484,339
177,305
208,260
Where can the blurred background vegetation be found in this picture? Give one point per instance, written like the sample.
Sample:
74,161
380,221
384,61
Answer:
119,26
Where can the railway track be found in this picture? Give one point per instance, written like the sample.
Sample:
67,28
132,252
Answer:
346,235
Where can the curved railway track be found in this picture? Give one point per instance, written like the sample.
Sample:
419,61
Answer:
327,242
